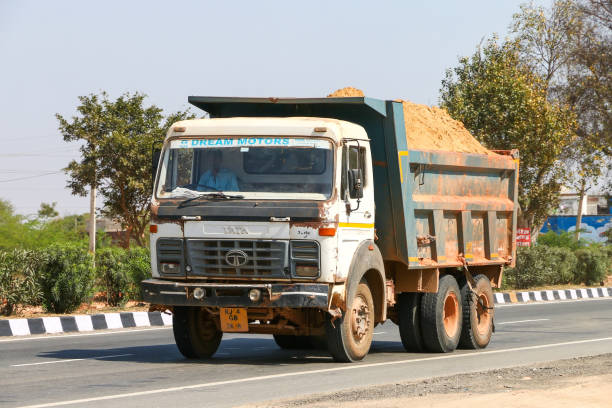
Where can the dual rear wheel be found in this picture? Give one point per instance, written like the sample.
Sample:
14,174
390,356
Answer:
455,316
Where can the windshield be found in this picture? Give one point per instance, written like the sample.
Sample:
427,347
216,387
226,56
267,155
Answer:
254,167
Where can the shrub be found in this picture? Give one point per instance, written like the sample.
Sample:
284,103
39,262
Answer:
542,265
120,271
563,239
138,269
19,281
66,277
111,274
593,265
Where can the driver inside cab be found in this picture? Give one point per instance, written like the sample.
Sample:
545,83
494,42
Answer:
217,178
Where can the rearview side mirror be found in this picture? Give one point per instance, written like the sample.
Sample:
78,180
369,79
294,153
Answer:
355,183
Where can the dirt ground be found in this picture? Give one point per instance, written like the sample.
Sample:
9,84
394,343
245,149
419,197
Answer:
578,382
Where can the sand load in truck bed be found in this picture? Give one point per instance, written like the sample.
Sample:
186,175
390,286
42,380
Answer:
429,128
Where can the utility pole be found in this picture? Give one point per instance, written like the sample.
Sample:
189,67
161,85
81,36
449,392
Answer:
92,219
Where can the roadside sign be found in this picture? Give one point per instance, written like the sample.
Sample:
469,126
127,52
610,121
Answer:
523,237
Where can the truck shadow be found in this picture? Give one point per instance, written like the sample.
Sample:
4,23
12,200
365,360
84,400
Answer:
254,351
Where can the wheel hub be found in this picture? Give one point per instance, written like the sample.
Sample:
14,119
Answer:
360,322
451,314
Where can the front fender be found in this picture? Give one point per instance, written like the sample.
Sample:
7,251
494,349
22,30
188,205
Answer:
367,263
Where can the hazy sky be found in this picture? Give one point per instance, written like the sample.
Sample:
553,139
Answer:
53,51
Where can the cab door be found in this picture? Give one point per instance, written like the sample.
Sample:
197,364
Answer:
356,220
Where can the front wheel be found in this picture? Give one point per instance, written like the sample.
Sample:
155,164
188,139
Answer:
195,332
349,338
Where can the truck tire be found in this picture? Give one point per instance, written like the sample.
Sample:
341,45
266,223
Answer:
290,342
441,316
349,337
478,313
409,321
195,332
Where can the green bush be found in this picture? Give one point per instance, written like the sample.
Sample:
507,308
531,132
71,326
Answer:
138,269
593,265
19,281
120,271
67,276
542,265
562,239
111,274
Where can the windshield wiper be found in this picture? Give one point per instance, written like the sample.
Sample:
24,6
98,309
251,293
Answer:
210,197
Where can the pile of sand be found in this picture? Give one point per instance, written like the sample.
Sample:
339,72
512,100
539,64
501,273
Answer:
429,128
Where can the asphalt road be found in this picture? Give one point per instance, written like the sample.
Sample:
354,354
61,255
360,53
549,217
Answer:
136,368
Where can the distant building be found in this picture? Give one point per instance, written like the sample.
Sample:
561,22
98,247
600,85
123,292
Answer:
111,228
596,217
592,204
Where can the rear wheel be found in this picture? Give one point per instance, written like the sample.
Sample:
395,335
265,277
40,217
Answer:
409,319
195,332
478,313
349,338
441,316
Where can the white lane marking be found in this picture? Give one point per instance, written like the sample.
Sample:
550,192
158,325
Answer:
522,321
379,332
102,333
70,360
550,302
309,372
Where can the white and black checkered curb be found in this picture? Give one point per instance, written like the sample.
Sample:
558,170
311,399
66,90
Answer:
548,295
82,323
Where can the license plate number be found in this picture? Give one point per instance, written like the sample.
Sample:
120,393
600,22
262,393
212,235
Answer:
234,319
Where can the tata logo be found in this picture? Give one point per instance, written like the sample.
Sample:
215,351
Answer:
236,230
236,258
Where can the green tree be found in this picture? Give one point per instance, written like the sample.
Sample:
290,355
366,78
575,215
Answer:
116,156
47,211
570,45
504,104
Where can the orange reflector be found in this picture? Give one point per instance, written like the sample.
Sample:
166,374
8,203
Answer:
371,247
180,128
153,229
327,232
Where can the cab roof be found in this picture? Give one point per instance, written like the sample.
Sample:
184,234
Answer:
286,126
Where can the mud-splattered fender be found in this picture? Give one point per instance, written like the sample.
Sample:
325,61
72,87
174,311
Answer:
367,263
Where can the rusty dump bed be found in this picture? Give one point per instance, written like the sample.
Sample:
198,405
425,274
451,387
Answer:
433,208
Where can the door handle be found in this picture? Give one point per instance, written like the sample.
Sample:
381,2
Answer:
367,214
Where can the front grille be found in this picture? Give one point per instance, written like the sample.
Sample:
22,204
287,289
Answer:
263,258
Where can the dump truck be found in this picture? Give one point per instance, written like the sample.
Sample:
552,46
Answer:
313,220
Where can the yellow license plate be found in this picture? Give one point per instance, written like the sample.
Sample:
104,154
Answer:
234,319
